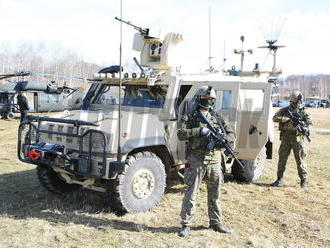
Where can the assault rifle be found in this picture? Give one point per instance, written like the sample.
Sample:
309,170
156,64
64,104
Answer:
143,31
297,123
219,139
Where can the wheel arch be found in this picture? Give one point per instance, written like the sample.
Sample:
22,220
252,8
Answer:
161,151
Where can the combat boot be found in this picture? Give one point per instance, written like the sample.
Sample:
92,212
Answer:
219,228
278,183
184,232
303,184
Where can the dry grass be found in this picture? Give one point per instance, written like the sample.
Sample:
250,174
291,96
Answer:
259,215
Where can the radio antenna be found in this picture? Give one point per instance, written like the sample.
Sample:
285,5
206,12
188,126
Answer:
210,43
224,55
271,29
120,83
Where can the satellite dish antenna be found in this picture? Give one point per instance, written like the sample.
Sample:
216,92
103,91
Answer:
271,29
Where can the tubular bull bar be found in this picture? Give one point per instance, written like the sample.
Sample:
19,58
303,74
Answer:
43,153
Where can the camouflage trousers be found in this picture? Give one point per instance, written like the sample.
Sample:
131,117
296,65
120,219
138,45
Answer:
193,177
299,150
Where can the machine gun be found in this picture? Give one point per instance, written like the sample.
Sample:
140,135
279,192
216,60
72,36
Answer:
297,123
143,31
219,139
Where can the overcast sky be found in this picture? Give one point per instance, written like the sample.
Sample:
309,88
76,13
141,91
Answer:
89,28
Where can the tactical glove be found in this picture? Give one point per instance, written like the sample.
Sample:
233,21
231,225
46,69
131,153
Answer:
204,131
285,119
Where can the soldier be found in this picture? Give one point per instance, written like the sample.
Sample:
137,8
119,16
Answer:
23,104
202,161
292,138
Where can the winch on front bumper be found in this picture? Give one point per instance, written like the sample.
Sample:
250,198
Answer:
88,159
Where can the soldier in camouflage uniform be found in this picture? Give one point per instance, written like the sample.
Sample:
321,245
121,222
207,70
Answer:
203,162
291,138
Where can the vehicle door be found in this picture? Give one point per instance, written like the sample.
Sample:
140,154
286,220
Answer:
253,119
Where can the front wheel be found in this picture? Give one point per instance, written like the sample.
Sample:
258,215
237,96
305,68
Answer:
253,169
140,187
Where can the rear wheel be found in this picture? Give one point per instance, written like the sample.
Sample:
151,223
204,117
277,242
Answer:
140,187
253,169
10,115
53,182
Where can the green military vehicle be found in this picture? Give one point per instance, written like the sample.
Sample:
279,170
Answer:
123,141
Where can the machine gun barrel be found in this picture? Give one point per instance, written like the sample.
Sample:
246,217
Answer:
219,139
296,121
143,31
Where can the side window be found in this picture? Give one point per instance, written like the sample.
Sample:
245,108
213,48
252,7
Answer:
108,95
152,97
184,89
251,99
224,100
53,98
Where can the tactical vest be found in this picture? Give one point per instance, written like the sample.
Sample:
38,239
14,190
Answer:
198,145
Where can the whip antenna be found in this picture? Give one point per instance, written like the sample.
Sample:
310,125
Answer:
210,42
120,83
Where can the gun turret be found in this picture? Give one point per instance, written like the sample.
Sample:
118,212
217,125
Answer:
155,53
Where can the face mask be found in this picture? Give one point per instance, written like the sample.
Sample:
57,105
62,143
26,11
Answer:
206,102
297,104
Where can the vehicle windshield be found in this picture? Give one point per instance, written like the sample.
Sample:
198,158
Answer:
132,95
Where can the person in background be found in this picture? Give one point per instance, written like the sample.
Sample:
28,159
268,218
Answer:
292,138
23,105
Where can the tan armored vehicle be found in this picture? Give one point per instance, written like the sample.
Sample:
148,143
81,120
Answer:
128,155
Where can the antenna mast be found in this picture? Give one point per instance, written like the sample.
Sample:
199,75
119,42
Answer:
210,44
120,83
224,55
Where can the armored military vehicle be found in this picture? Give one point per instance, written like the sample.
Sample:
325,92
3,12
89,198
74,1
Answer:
124,140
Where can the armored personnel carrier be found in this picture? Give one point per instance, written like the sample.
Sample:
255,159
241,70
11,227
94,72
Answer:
123,142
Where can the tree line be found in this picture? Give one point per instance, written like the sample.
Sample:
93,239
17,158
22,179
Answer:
54,59
312,86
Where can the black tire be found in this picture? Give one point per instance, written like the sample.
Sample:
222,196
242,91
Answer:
142,169
52,181
10,116
253,169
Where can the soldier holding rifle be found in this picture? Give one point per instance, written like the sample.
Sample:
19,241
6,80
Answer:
204,158
294,125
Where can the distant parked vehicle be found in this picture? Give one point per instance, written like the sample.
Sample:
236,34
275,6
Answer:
325,103
281,103
312,104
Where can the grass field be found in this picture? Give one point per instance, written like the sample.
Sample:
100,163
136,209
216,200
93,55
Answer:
259,215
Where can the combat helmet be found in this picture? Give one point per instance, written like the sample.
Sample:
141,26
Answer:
296,96
296,99
205,97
